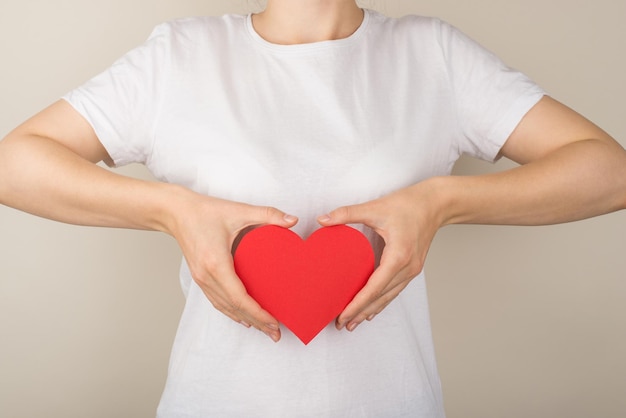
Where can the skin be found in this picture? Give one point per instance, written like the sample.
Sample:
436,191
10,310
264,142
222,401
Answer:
570,169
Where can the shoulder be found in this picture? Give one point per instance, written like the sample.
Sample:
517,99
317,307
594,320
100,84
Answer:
414,29
197,29
407,24
423,37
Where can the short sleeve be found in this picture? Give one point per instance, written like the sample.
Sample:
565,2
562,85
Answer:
122,103
490,97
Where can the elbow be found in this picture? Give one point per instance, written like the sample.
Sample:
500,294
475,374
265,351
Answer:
620,153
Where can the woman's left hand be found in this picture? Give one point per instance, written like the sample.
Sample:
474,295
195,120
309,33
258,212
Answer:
407,220
563,177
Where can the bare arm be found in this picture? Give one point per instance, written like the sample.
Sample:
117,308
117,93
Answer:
48,168
570,170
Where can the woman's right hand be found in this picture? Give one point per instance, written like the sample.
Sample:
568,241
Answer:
47,169
206,228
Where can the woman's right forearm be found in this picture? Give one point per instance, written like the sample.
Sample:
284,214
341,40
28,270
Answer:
44,178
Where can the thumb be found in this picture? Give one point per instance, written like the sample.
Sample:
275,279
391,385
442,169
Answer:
267,215
256,216
353,214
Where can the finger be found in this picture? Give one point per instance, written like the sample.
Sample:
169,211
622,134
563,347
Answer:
268,215
242,308
227,293
374,308
215,304
361,213
392,275
254,315
377,286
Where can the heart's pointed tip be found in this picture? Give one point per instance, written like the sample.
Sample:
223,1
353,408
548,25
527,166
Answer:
305,335
306,340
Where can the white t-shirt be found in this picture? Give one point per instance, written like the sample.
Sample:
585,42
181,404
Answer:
208,104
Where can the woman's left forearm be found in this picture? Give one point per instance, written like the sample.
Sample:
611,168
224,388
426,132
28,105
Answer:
563,178
577,181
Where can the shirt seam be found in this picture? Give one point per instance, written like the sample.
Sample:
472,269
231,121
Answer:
308,48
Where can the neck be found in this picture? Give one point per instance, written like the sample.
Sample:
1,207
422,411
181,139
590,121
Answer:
290,22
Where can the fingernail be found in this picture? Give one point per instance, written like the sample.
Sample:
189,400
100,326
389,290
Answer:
351,327
245,324
372,316
290,218
324,218
273,326
274,336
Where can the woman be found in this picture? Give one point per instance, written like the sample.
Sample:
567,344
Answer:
333,115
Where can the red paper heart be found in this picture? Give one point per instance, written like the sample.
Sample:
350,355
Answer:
304,284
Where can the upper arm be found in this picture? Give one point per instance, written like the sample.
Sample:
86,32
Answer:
61,123
548,126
